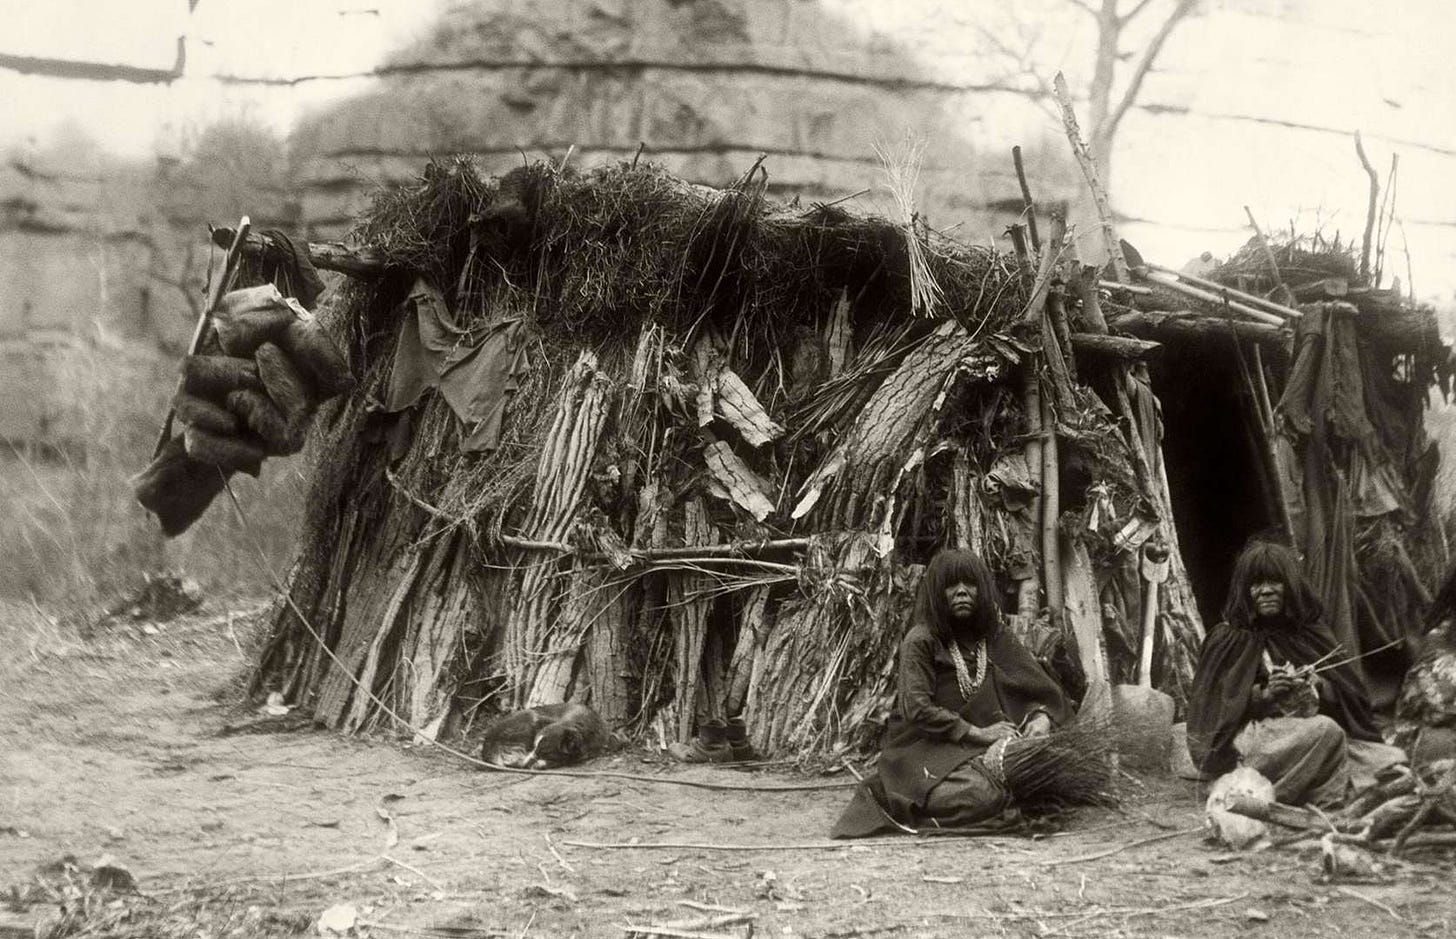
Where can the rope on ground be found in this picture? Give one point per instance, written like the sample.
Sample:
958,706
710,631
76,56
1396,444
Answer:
770,846
1123,847
287,595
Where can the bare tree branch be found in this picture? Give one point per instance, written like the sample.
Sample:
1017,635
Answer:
1132,14
1086,7
1134,84
1026,65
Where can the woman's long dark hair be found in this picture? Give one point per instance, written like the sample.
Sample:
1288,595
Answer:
1264,560
952,566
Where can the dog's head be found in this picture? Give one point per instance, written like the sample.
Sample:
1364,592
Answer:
559,745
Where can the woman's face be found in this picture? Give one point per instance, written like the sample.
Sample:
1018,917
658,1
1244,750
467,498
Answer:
960,598
1267,597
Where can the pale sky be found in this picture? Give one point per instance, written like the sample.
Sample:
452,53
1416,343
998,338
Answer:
1250,66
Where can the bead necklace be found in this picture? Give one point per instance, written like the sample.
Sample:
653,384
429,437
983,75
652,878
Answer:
968,685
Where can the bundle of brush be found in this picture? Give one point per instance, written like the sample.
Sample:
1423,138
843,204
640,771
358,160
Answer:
1070,766
249,393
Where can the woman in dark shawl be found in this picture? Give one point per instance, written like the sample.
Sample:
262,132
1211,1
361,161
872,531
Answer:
1249,705
964,683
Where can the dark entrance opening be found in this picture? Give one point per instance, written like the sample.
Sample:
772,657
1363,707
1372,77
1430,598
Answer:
1214,460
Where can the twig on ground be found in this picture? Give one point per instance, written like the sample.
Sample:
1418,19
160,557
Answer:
767,846
413,870
557,854
710,908
1123,847
454,932
283,878
1429,800
1373,902
1124,911
668,931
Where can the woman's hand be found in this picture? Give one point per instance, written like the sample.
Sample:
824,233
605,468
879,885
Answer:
1280,683
985,736
1040,725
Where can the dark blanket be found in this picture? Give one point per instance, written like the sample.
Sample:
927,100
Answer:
926,735
1230,665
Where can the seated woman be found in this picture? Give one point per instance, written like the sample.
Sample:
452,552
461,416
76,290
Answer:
964,683
1311,735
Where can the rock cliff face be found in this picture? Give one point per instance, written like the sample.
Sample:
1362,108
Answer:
703,86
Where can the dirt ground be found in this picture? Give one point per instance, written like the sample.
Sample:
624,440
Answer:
116,746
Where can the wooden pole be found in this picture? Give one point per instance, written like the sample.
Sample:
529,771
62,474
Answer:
1028,206
1286,296
1278,309
1266,415
1051,510
1195,293
1370,211
1089,172
1118,347
1175,324
1027,594
204,321
328,255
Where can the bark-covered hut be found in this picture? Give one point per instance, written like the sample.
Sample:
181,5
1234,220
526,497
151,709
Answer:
682,453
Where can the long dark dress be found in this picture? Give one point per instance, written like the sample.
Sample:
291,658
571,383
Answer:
926,741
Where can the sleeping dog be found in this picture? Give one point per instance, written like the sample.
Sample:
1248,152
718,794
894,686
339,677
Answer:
545,736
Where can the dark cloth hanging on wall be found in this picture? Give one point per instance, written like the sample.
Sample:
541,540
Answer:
1337,468
476,369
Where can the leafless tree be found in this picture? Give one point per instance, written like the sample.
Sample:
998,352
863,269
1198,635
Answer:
1127,45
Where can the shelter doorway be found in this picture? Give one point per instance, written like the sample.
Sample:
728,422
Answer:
1215,463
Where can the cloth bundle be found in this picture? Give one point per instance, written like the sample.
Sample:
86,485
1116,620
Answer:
249,395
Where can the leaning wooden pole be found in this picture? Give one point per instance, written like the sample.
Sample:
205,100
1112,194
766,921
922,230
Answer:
1028,205
204,321
1083,153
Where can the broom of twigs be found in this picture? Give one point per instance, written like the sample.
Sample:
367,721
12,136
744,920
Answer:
1070,766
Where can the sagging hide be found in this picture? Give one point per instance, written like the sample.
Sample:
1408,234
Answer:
545,736
177,489
234,409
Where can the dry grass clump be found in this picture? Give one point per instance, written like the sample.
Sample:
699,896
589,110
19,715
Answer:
75,537
101,901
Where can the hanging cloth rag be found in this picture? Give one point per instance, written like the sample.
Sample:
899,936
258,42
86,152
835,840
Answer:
476,369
